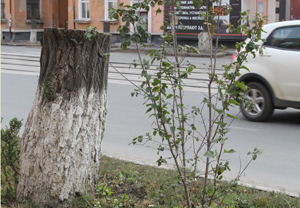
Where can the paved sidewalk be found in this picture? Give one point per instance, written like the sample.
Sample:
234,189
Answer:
116,48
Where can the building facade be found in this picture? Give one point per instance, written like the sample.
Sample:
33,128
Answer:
19,17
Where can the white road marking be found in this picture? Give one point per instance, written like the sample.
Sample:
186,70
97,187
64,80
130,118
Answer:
30,65
241,128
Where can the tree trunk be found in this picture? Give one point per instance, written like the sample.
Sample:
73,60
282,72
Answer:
61,143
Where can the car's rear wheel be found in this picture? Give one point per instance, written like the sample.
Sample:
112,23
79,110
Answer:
261,107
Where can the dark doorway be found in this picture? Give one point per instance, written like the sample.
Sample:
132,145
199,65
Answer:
235,14
63,14
281,10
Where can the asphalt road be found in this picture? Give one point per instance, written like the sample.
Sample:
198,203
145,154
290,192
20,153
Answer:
120,57
277,168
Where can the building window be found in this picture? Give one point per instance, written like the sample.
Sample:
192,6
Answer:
2,9
110,4
33,9
84,9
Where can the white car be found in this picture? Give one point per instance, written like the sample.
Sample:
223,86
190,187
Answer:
274,77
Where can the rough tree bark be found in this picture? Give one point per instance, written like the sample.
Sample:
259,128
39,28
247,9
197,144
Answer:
61,143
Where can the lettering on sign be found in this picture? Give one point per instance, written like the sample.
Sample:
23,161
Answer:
189,20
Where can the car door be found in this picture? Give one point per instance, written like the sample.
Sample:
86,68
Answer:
282,57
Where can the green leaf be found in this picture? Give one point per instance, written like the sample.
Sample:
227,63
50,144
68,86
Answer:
156,89
244,67
231,116
140,139
122,33
238,47
172,128
209,154
238,30
180,128
165,63
89,36
219,111
160,148
155,82
144,27
116,16
144,73
168,136
190,68
158,11
169,96
240,85
229,151
244,13
250,46
232,89
222,124
148,77
137,39
232,101
221,94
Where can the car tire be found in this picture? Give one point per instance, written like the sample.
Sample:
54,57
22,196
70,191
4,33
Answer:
262,107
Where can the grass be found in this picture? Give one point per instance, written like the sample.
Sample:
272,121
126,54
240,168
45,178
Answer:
125,184
148,186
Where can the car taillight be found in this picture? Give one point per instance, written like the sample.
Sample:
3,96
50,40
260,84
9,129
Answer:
234,55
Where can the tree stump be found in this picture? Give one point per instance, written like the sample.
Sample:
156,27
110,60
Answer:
61,144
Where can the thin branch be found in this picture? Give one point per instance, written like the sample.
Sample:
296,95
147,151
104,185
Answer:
127,78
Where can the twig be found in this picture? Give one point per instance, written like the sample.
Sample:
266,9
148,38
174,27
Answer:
127,78
87,202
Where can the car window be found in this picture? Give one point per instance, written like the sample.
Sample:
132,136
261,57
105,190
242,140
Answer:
285,38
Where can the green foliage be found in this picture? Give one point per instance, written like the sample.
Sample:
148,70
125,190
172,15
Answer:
128,15
91,32
163,188
10,150
103,190
146,186
108,190
255,152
